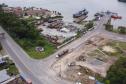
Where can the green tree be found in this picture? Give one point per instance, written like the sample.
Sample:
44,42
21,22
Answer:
17,27
117,73
122,30
109,27
89,25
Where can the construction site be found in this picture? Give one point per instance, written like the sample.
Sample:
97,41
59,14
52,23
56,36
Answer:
94,59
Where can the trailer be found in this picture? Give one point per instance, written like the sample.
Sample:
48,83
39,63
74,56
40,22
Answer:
62,53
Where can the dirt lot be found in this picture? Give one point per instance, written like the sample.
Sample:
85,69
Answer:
89,59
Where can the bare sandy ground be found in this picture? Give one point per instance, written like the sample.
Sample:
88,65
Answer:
92,63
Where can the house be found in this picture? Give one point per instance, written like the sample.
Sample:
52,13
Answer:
32,11
36,12
15,10
18,11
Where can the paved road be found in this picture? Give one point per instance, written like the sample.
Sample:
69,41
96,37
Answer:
39,71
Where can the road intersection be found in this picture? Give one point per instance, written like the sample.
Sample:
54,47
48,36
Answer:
39,71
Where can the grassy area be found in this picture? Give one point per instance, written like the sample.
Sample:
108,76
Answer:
30,45
93,53
122,45
49,49
12,70
119,46
10,66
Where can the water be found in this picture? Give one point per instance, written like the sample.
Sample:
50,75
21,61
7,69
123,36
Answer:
68,7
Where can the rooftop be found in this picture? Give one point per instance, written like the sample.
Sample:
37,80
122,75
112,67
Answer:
3,76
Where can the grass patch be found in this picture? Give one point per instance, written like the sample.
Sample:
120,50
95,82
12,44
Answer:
119,46
12,70
122,45
30,45
10,66
93,53
49,49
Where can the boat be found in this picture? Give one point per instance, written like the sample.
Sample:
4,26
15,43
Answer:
80,13
116,17
77,20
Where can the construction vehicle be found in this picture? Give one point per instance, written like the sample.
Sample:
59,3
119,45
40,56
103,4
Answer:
62,53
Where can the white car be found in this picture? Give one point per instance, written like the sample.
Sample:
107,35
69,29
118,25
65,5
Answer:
57,56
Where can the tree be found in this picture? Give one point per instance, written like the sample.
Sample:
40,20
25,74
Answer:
17,27
89,25
109,27
117,72
122,30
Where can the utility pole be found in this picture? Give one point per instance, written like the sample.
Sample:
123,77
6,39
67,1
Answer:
60,70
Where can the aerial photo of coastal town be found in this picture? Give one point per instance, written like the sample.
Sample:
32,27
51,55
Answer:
62,41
